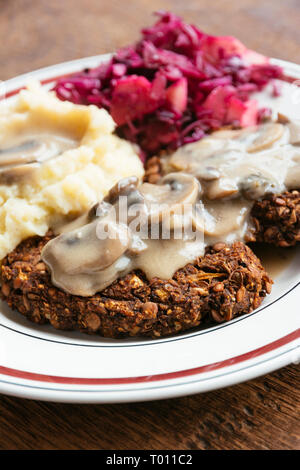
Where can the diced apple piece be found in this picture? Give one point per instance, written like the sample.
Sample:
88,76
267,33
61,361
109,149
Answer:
131,99
177,94
215,47
217,101
244,113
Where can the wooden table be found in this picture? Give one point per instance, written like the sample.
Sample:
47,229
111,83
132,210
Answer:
261,414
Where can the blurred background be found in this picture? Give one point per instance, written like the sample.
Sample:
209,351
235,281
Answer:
37,33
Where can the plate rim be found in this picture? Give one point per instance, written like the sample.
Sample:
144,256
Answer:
37,392
157,392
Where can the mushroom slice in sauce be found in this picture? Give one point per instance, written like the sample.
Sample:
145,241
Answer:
255,186
171,203
267,135
124,187
83,262
20,155
236,167
19,152
254,138
222,188
78,251
187,158
227,171
171,193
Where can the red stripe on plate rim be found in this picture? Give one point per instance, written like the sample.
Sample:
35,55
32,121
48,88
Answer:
43,82
153,378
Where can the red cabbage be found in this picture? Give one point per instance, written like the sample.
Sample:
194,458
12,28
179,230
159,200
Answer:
175,85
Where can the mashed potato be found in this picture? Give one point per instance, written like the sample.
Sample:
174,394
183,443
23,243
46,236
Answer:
72,181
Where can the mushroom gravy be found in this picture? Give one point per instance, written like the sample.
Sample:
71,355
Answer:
223,174
236,168
99,247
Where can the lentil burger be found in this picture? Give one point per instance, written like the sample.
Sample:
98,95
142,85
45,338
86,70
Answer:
226,282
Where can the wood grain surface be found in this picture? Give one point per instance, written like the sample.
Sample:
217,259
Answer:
260,414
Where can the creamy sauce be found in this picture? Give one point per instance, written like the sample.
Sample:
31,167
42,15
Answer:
274,259
21,154
287,103
223,174
99,247
236,168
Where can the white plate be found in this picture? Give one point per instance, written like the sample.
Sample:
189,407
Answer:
41,363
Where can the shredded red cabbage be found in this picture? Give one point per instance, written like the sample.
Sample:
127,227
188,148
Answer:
175,85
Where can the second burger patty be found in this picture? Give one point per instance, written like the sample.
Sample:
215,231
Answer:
276,217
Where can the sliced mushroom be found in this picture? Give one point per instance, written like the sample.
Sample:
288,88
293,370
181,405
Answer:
189,157
208,173
123,187
267,134
198,220
127,200
10,175
222,188
255,186
171,203
98,210
91,248
174,188
228,134
21,152
20,149
21,155
170,194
